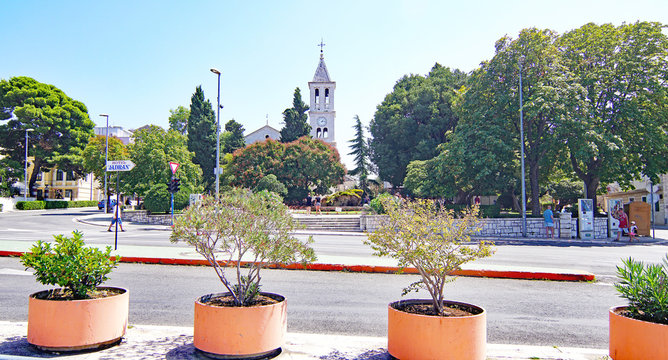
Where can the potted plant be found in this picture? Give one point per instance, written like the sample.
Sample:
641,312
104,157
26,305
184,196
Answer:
430,238
249,230
80,314
640,329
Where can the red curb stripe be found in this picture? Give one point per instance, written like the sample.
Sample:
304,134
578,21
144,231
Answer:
500,274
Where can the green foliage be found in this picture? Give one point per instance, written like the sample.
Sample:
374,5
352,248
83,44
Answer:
30,205
233,137
271,183
360,150
158,199
645,286
202,136
69,264
295,120
376,204
566,191
413,120
352,197
429,238
40,205
254,226
61,125
301,165
94,155
178,119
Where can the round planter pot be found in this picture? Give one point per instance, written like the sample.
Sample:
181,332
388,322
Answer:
636,339
413,336
72,325
240,332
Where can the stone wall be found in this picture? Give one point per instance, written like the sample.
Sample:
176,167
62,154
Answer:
142,217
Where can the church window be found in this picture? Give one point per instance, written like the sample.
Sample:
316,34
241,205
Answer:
318,133
317,96
326,97
324,133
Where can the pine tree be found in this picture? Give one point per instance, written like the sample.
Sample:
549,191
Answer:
202,135
295,119
360,149
233,137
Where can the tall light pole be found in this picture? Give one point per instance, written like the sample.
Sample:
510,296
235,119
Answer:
524,200
25,170
106,159
217,168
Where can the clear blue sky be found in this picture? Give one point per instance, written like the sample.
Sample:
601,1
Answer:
136,60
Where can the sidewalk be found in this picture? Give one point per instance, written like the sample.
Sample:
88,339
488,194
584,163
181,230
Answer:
175,343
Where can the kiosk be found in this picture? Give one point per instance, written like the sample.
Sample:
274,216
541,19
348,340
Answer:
586,218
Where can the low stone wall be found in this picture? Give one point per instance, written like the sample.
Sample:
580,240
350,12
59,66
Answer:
142,217
565,227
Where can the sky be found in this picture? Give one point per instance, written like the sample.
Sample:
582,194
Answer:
136,60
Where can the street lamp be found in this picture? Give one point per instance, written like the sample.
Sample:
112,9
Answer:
217,168
25,170
106,159
524,200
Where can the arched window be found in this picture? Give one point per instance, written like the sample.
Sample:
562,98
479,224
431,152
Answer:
324,133
317,96
318,133
327,98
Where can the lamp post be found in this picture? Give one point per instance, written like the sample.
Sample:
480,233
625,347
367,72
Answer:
106,159
217,167
524,201
25,170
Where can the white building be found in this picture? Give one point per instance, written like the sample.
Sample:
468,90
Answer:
262,134
322,114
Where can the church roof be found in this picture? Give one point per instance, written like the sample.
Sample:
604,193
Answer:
321,73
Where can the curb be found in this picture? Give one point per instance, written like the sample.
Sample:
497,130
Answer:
369,269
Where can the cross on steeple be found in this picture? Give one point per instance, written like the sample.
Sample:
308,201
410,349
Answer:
322,44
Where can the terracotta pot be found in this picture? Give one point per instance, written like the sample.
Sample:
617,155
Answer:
636,339
413,336
235,332
71,325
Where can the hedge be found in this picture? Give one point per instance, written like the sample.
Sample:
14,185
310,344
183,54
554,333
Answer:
39,205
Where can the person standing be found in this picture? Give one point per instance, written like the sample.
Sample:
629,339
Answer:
633,231
317,205
309,202
116,217
623,223
549,222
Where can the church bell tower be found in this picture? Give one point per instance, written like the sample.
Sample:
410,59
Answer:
322,115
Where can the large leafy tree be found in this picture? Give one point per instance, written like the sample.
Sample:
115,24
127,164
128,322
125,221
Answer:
178,119
61,125
94,155
202,136
295,119
623,132
360,150
152,150
233,137
302,165
413,120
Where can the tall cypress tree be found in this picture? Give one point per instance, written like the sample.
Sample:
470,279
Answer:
295,119
360,149
202,135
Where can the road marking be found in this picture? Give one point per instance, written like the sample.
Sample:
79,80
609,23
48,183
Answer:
10,229
6,271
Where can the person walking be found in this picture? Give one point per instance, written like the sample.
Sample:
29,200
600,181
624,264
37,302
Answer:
623,223
549,222
116,217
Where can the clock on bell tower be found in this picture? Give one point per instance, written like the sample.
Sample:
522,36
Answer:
321,112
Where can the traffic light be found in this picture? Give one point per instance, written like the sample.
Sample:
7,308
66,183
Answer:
177,184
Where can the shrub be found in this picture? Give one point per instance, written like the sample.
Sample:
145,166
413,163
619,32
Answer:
30,205
430,238
56,204
69,264
158,199
376,204
242,223
351,197
646,289
271,183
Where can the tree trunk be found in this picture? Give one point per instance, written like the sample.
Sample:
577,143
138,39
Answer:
592,183
535,189
37,164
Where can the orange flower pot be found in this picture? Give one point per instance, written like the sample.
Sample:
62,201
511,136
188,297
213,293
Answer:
72,325
632,339
419,337
235,332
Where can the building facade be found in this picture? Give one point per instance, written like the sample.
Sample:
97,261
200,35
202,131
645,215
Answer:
642,193
322,114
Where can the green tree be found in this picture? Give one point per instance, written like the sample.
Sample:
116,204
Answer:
178,119
360,150
622,133
94,155
271,183
202,136
152,150
295,119
413,120
233,137
61,125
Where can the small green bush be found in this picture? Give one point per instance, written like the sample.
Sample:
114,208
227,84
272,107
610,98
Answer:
351,197
69,264
56,204
271,183
376,204
30,205
646,289
158,199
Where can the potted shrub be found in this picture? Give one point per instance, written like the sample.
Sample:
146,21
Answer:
430,238
249,230
640,329
80,314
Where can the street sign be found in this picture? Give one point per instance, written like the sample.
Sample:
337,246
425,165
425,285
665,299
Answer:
173,166
120,165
